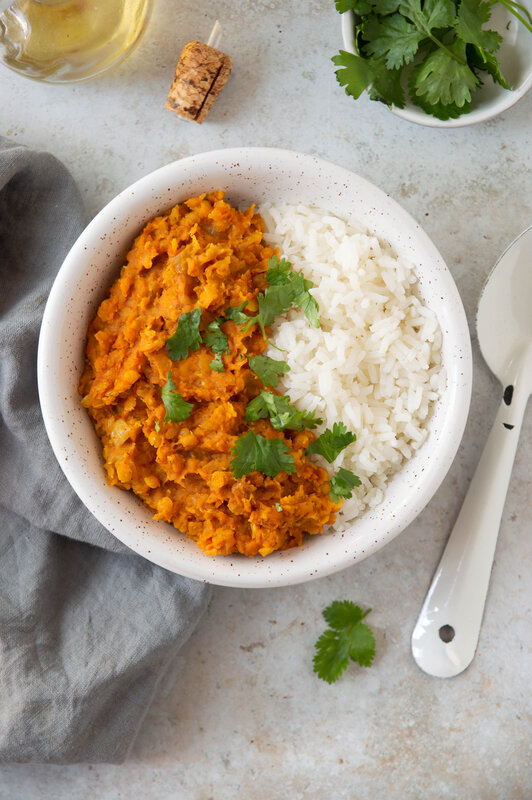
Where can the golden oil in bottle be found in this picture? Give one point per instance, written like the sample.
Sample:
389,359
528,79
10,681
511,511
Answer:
60,41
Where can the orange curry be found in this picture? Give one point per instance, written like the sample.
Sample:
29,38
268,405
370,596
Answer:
202,253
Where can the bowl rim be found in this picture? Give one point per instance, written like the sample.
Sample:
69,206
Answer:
218,570
508,97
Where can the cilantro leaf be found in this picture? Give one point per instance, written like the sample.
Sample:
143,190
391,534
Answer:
384,7
356,75
281,412
186,337
330,443
438,110
347,638
436,47
434,14
440,78
342,484
388,88
217,364
215,338
472,14
278,507
274,301
285,289
488,62
236,314
267,369
358,6
309,306
278,271
177,409
392,38
254,453
363,7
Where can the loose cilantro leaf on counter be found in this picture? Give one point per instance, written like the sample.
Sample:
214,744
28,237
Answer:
254,453
331,442
437,49
281,412
342,484
268,369
187,336
346,638
177,409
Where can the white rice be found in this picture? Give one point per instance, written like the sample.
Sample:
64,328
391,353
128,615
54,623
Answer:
375,361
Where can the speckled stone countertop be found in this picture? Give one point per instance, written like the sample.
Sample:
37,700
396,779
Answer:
241,714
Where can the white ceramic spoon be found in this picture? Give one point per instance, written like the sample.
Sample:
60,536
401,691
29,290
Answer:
446,634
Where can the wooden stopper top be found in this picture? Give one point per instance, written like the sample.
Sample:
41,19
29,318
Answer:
201,74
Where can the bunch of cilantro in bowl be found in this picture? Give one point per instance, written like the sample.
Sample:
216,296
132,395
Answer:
433,53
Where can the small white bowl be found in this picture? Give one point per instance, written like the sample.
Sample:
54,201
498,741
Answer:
249,175
515,58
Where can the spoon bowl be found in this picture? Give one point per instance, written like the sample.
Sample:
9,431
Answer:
504,319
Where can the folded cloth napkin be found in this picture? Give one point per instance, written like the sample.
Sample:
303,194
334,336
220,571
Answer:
87,628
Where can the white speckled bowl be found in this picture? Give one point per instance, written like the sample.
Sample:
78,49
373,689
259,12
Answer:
248,175
515,58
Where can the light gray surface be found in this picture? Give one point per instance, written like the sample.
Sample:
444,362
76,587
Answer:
242,715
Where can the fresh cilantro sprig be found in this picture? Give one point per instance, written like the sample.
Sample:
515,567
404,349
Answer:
177,409
255,453
347,637
269,370
187,335
330,443
215,338
437,49
236,314
286,289
281,412
342,484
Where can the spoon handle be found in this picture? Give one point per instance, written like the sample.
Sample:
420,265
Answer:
446,634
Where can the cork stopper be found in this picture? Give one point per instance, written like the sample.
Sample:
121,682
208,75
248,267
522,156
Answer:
201,74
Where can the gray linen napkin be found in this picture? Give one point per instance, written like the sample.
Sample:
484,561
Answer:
87,628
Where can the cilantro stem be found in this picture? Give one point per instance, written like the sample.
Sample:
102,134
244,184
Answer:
446,49
512,8
418,21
